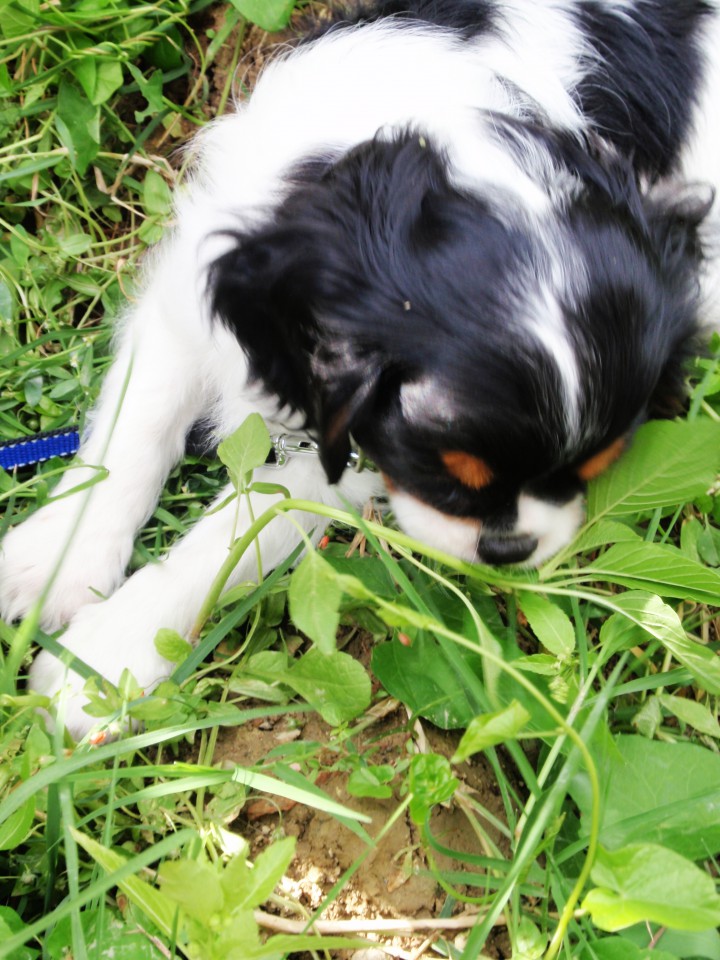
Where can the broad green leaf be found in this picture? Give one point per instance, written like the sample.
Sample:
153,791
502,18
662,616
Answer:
618,633
171,645
334,684
647,882
531,941
19,17
666,793
75,244
489,729
245,449
678,943
431,781
11,923
618,948
602,533
99,77
662,622
193,885
372,781
549,623
78,125
153,903
696,715
152,89
17,826
420,676
708,544
668,463
658,568
157,200
543,664
266,873
314,597
271,15
112,938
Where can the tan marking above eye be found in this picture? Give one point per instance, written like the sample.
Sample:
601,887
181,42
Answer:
601,461
471,471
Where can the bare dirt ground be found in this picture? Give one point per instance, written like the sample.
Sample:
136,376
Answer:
395,880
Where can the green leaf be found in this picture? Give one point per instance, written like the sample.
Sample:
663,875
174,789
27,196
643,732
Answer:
78,125
647,882
431,781
171,645
489,729
601,533
531,941
618,633
267,872
271,15
193,885
549,623
7,303
157,200
99,77
334,684
245,449
10,923
658,568
668,463
75,244
110,935
661,622
420,676
17,826
314,597
666,793
708,544
153,903
678,943
618,948
372,781
694,714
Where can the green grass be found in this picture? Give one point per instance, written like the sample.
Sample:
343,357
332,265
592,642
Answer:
591,688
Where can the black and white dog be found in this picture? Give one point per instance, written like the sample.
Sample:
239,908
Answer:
471,234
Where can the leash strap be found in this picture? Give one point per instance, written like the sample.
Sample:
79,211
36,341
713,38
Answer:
38,448
65,443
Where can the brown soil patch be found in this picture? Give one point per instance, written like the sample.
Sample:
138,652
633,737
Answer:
392,879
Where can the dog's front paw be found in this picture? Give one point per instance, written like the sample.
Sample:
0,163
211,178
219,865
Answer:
30,554
109,637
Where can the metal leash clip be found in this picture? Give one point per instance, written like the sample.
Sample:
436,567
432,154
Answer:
287,445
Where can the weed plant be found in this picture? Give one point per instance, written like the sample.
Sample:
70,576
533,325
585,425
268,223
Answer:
591,686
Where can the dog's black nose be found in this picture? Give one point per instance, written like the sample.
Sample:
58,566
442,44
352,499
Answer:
506,548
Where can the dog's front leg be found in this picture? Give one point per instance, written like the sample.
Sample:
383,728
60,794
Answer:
119,632
74,550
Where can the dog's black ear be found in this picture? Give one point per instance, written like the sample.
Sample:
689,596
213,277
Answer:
262,290
677,212
346,394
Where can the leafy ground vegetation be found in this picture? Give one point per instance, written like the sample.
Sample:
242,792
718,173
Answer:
386,751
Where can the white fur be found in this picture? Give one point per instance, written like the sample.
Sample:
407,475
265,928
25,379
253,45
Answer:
451,534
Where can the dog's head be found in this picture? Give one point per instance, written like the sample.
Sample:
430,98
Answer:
488,357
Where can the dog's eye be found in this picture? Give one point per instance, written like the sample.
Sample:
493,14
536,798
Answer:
601,461
471,471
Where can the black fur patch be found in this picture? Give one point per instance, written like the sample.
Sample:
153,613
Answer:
469,18
639,88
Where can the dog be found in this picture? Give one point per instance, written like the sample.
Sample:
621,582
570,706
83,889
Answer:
472,236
